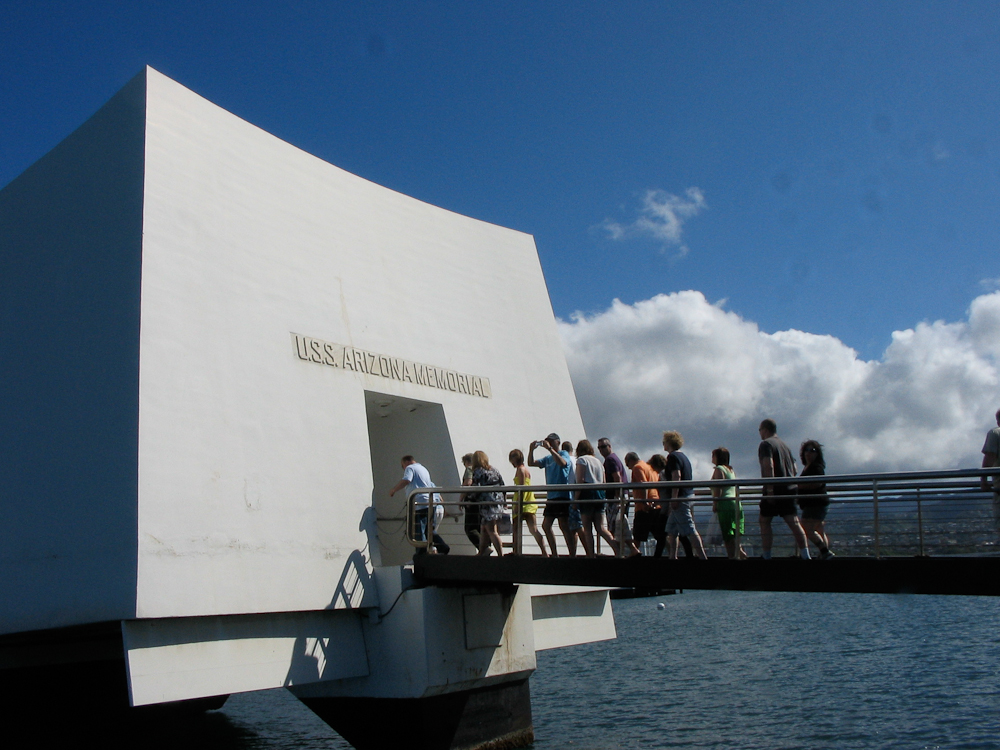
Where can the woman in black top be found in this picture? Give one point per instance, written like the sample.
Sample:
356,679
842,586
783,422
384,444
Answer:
813,499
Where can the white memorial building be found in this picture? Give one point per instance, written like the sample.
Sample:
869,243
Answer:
215,350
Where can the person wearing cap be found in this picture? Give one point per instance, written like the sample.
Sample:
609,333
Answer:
558,466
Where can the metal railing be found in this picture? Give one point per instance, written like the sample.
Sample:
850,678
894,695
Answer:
870,515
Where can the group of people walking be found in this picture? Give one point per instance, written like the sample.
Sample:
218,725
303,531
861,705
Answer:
665,515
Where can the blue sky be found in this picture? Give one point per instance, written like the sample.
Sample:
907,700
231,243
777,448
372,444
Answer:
829,167
848,153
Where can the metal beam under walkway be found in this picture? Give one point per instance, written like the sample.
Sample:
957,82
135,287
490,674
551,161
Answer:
971,576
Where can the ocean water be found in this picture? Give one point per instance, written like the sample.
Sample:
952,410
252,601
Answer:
779,670
733,670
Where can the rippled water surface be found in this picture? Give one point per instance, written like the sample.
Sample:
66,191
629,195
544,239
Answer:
764,670
738,670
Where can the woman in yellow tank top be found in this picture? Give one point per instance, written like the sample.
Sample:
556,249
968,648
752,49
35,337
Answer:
529,507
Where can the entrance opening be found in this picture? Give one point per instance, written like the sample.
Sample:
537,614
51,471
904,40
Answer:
398,427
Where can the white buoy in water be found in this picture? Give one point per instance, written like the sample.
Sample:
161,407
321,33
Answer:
661,605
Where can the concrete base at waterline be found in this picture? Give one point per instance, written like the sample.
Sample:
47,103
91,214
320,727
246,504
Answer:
490,718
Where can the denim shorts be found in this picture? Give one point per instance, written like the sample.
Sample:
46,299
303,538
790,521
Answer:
680,522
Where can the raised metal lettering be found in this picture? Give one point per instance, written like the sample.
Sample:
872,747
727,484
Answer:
300,347
330,354
315,356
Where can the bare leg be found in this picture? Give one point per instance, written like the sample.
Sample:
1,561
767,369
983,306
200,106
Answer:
494,535
730,543
766,535
484,539
816,533
533,529
699,547
821,532
570,536
797,532
686,544
605,534
547,522
586,535
672,546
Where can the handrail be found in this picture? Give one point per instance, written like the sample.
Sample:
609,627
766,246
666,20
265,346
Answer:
749,482
846,489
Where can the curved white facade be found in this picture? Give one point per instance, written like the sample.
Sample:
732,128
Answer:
207,466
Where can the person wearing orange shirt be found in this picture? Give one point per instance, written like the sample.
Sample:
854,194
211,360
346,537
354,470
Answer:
647,505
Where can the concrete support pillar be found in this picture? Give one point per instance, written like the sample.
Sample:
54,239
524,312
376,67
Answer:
490,718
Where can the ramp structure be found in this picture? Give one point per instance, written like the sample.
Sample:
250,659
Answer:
216,348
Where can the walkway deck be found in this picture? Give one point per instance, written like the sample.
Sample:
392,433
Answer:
976,576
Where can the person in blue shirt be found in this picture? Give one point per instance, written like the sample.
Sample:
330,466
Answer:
415,476
558,467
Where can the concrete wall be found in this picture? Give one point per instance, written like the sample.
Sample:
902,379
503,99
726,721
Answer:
428,642
255,469
70,254
172,447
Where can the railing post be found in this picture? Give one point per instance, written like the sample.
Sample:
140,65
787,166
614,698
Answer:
411,518
429,529
518,521
920,524
622,514
875,508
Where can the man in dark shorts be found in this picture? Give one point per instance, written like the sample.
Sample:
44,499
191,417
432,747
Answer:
558,467
647,503
776,460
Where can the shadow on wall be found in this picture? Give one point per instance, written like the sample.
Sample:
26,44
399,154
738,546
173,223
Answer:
305,665
356,587
319,656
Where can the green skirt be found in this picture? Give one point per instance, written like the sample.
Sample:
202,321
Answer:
730,517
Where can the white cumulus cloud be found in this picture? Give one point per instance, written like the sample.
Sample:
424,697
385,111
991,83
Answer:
679,362
661,217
